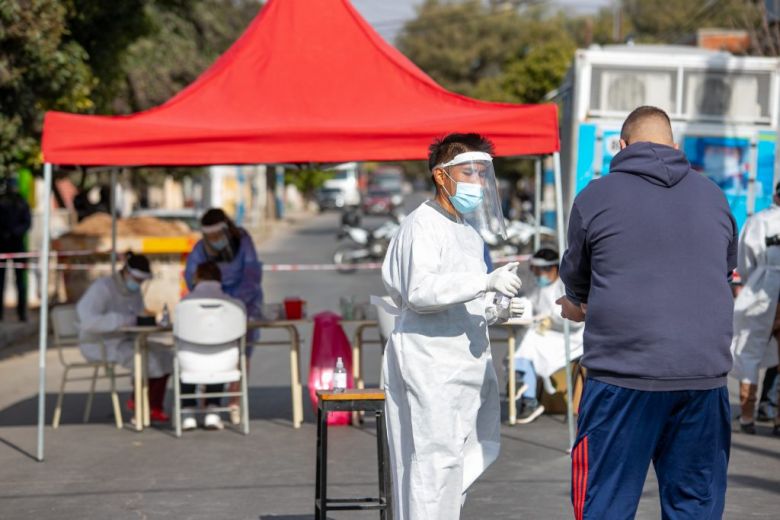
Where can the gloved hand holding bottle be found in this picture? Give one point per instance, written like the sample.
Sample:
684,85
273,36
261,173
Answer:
504,280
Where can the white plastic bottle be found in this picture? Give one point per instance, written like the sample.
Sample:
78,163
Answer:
339,376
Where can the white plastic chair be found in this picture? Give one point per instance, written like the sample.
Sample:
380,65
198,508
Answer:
64,324
210,347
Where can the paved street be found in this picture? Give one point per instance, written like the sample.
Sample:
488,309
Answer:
94,471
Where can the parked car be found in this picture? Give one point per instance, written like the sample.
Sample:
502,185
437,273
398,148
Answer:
379,201
330,198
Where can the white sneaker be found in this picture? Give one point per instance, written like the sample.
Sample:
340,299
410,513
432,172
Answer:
188,420
213,421
235,414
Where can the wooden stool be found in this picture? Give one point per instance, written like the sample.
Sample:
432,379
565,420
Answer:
357,400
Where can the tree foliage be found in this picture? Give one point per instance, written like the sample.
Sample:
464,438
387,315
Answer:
40,69
488,51
88,56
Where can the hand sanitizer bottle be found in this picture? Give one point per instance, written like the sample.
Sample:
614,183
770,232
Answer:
339,376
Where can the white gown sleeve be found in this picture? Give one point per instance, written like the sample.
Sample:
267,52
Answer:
752,246
412,272
92,313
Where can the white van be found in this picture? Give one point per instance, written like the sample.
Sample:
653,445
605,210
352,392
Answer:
346,181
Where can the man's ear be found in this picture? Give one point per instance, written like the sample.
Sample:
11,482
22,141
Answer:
438,177
623,144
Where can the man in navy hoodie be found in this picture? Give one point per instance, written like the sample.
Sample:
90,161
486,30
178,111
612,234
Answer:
651,249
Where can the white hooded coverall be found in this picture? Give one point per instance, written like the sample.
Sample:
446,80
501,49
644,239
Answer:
443,412
753,345
106,307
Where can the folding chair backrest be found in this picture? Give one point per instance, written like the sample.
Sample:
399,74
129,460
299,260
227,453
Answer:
208,321
64,324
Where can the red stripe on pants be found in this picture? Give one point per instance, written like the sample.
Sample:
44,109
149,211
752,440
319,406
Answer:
579,479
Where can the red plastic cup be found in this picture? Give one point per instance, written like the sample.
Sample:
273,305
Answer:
293,308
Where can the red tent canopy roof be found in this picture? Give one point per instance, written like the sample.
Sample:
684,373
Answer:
307,81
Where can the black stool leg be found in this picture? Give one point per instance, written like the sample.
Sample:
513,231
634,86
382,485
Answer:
321,486
382,464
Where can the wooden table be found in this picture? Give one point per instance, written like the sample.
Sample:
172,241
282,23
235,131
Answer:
140,377
140,356
294,344
512,325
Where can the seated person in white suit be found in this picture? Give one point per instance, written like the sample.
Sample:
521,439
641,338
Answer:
542,352
208,285
113,302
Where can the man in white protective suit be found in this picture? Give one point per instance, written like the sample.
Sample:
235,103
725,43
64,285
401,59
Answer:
755,310
442,404
113,302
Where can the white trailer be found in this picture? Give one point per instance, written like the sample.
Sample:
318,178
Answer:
724,112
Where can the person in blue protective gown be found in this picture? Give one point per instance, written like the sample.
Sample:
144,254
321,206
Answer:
232,248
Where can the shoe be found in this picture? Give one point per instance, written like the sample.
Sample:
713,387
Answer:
188,420
748,428
530,414
235,414
158,415
213,421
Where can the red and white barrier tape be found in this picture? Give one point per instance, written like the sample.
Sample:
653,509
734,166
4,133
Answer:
272,268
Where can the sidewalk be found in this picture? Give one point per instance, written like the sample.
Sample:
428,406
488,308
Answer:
13,331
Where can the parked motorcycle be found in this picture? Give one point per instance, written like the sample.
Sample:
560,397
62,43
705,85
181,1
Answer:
366,245
519,239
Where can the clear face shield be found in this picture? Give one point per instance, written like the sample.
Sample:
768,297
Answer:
217,237
474,192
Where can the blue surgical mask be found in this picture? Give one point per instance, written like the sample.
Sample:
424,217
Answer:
467,196
132,285
220,244
542,281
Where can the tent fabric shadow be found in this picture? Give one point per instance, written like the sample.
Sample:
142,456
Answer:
265,403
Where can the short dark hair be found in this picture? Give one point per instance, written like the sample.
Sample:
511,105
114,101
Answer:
214,216
444,149
208,271
138,262
547,254
639,115
217,216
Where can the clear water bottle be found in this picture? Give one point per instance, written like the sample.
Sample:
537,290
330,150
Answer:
165,321
339,376
502,306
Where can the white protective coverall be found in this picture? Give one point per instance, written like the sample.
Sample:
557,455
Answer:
543,344
441,388
106,307
753,345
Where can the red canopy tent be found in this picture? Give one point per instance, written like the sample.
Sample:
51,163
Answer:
306,82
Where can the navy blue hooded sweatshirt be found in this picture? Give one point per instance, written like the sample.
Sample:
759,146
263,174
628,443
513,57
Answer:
651,247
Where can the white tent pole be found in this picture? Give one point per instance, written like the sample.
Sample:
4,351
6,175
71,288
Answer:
538,203
566,325
43,264
112,198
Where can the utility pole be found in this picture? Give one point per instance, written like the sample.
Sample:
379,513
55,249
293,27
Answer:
617,21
